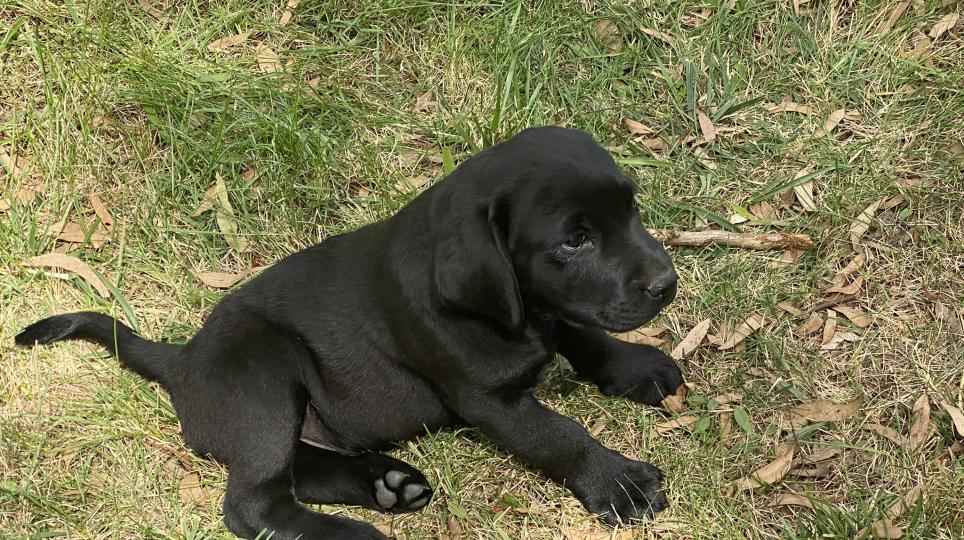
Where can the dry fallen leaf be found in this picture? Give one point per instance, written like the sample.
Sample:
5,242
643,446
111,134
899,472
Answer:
230,41
884,527
849,289
788,106
676,403
706,126
838,339
425,101
193,492
818,471
770,473
681,421
747,327
12,165
413,183
788,306
822,453
704,158
946,23
886,432
857,317
289,12
71,264
823,411
814,323
223,280
957,417
151,10
895,15
922,427
831,123
645,336
804,193
637,128
225,217
792,499
659,35
856,264
607,33
100,209
72,232
861,224
763,210
692,340
269,61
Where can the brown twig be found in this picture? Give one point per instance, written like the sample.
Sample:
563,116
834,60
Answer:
733,239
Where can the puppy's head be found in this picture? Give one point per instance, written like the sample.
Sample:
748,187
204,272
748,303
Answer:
547,220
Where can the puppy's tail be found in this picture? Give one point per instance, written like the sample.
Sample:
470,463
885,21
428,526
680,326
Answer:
149,359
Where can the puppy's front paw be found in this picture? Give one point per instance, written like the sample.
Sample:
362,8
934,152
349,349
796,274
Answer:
623,492
644,375
400,491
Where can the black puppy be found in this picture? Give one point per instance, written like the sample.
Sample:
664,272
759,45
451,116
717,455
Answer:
445,314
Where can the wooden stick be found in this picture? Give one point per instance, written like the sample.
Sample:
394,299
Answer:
725,238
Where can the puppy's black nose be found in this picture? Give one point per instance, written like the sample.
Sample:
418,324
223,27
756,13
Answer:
663,284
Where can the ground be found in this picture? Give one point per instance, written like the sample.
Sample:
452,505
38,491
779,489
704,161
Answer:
839,120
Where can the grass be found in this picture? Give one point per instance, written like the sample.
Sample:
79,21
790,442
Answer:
104,98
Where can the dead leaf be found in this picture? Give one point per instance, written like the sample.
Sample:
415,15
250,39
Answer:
788,306
886,432
789,106
728,398
856,264
655,144
895,15
736,219
676,403
862,223
13,165
659,35
884,527
225,217
946,23
706,126
230,41
704,158
100,209
208,202
269,61
289,12
922,427
818,471
957,417
857,317
314,82
414,183
849,289
692,340
223,280
192,491
607,33
747,327
823,411
769,473
645,336
804,193
763,210
831,123
151,10
72,232
453,527
814,323
838,339
425,101
71,264
792,499
680,421
822,453
637,128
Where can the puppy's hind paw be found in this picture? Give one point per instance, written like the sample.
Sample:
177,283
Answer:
399,492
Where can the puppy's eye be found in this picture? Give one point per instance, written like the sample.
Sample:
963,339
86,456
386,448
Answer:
634,204
576,241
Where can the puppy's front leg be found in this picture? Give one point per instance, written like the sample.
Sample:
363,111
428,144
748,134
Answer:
642,373
606,482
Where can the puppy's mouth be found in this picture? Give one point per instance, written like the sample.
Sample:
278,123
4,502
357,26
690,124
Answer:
623,317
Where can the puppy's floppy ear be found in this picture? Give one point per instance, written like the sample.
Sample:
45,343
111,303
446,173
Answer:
472,267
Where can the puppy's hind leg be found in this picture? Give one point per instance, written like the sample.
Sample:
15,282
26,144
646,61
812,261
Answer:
373,481
260,498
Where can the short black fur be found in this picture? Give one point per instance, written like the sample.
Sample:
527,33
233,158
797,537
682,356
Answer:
445,314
